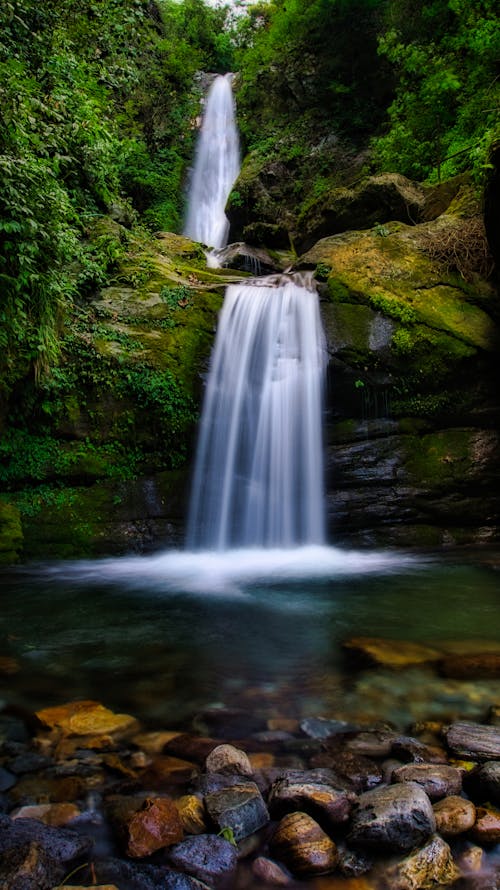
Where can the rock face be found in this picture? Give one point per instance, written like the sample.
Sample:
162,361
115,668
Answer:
396,817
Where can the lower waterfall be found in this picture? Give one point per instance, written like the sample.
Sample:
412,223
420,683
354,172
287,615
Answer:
258,478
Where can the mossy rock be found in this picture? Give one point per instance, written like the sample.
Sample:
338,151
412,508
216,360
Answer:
11,535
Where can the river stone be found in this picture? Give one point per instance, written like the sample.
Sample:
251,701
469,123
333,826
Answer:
29,867
62,844
487,781
7,780
321,728
352,770
144,877
85,718
321,801
270,873
190,747
240,808
303,846
484,665
153,827
396,817
154,742
408,749
437,780
209,858
454,815
192,813
353,863
372,744
487,827
431,866
474,740
228,759
390,653
55,814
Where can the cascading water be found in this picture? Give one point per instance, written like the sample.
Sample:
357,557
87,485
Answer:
216,167
259,479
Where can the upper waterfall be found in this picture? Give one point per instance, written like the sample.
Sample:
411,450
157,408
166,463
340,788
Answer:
217,164
259,472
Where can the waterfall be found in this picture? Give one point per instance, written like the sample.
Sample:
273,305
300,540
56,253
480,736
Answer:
216,167
258,477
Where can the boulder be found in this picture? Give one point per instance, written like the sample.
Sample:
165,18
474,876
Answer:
394,817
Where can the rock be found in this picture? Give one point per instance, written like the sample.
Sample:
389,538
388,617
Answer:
153,827
29,867
407,748
471,860
229,723
390,653
62,844
321,728
486,782
487,827
431,866
322,802
192,813
397,817
437,780
85,718
353,863
471,667
55,814
190,747
454,815
474,740
303,846
144,877
211,859
353,770
243,257
270,873
154,742
165,771
7,780
372,744
228,759
240,808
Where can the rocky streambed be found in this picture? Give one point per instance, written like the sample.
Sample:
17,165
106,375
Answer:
92,798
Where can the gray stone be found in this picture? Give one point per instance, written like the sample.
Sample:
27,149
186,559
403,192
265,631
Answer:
206,857
63,845
240,808
396,817
29,867
320,728
320,801
144,877
228,759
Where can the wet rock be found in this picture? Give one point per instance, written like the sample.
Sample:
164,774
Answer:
192,813
45,788
243,257
62,844
240,808
228,759
454,815
190,747
144,877
412,750
487,827
211,859
29,867
165,771
352,770
486,782
85,718
353,863
396,817
156,825
303,846
28,762
471,860
227,723
372,744
324,803
270,873
55,814
437,780
390,653
431,866
474,740
320,728
484,665
154,742
211,782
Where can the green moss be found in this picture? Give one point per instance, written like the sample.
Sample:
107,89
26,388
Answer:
337,290
11,535
439,459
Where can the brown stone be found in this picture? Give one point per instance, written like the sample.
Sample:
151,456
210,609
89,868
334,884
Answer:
429,867
372,744
340,883
261,760
153,827
303,846
192,813
471,667
471,860
228,759
487,827
154,742
283,724
320,801
454,815
191,747
165,770
54,814
270,873
437,780
43,789
85,718
474,740
390,653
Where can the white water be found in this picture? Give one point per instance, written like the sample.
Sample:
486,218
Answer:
217,164
259,473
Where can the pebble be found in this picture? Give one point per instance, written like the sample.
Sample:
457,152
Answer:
394,817
430,866
454,815
156,825
85,718
437,780
474,740
228,759
270,872
210,859
487,827
55,814
319,800
240,808
302,845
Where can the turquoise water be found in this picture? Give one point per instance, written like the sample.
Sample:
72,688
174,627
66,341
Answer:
164,637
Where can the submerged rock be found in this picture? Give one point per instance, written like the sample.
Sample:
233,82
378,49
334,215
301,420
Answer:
390,653
395,817
85,718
